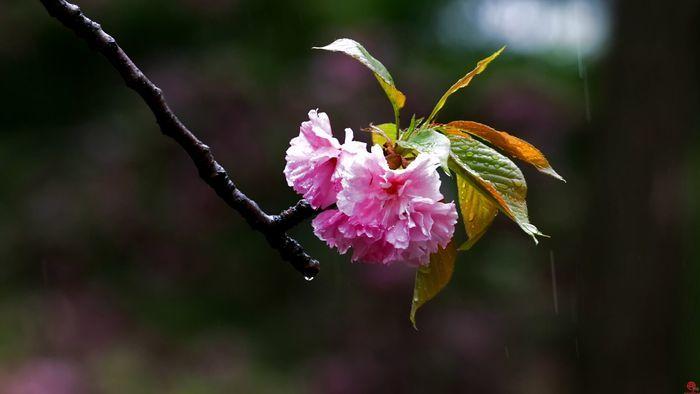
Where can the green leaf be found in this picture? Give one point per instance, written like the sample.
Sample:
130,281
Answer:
463,82
513,146
494,175
358,52
412,124
389,130
431,142
432,278
415,124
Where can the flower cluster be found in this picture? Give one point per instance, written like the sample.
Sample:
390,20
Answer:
385,204
384,215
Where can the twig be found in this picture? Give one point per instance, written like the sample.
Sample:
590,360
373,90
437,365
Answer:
274,227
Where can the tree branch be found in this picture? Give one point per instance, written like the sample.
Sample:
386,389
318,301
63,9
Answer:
274,227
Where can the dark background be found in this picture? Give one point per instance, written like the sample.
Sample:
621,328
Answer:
121,272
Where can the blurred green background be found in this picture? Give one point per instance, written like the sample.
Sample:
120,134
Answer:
121,272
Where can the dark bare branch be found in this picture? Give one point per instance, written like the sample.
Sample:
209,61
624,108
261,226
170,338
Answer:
274,227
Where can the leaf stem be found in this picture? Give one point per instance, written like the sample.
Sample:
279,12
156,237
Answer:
396,121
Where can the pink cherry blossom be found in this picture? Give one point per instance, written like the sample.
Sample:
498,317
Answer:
389,215
316,160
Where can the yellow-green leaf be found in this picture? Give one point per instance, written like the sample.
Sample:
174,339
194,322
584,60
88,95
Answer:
389,130
478,211
463,82
513,146
494,175
397,99
432,278
353,49
430,142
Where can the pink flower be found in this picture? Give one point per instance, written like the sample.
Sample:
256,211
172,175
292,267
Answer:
389,215
316,160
